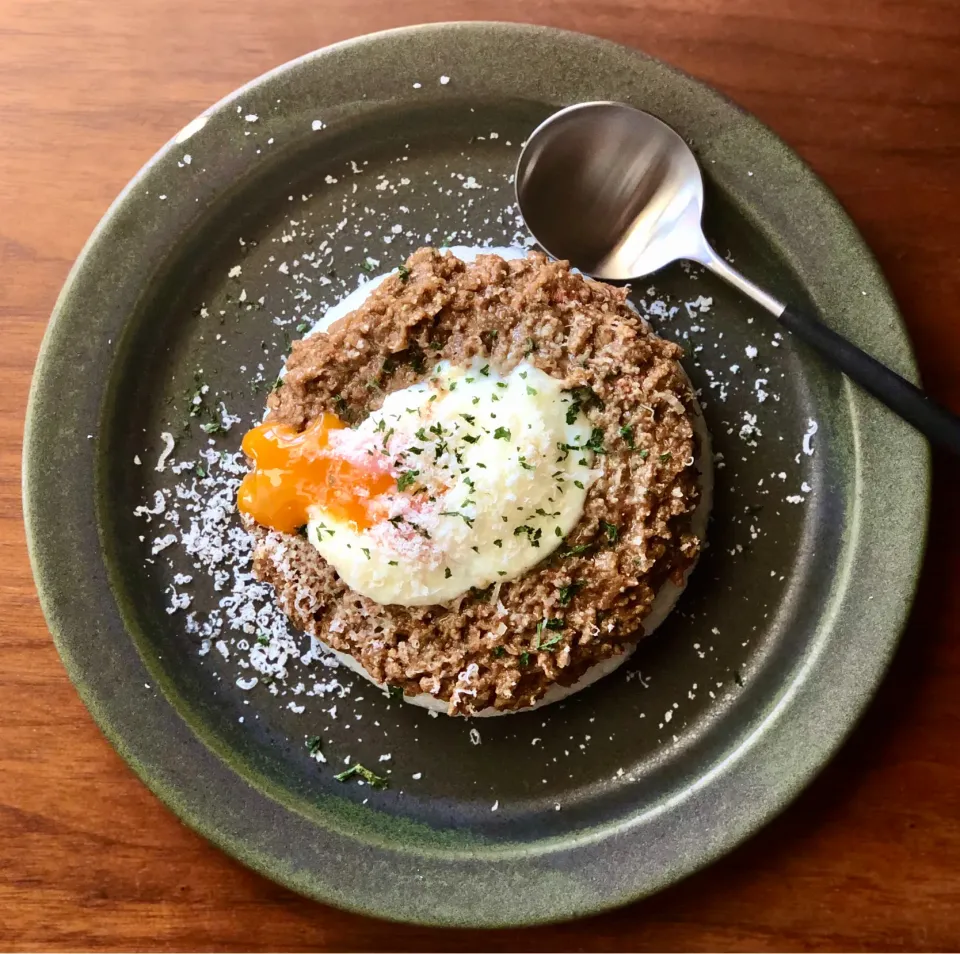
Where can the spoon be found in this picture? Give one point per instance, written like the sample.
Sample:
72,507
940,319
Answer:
619,194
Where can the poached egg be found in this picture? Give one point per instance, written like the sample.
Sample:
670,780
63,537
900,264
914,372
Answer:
464,480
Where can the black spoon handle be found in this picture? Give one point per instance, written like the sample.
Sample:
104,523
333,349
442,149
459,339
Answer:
938,424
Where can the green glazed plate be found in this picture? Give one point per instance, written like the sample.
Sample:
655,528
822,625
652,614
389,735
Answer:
197,276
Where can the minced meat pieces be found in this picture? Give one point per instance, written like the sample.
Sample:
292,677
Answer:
590,597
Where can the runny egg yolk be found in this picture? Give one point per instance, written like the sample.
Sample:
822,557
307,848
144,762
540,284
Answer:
294,471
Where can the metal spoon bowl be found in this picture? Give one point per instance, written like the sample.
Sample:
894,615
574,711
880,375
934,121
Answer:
619,194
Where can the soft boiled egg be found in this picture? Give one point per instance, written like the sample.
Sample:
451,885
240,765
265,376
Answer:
463,480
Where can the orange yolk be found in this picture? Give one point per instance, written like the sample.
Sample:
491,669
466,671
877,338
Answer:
294,471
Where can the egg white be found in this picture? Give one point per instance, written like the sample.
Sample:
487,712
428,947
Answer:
490,474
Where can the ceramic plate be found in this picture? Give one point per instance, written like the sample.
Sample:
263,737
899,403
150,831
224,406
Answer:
270,207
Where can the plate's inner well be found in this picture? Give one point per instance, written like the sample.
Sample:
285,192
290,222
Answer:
197,363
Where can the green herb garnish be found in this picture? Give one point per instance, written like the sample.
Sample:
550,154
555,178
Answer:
502,434
567,593
595,443
583,399
371,778
456,513
555,624
533,534
407,478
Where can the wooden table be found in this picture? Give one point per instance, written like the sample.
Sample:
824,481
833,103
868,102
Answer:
868,91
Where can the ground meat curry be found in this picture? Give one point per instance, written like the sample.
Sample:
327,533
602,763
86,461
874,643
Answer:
505,646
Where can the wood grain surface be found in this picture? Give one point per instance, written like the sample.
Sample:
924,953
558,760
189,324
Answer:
868,91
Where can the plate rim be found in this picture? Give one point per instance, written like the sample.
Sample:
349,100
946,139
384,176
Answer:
37,485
